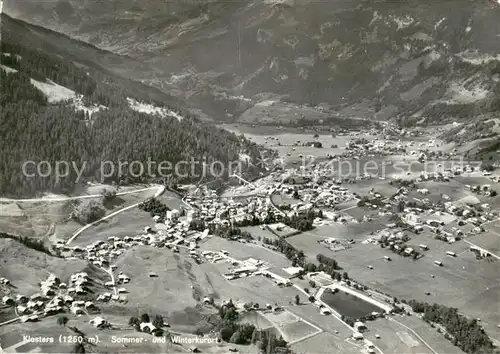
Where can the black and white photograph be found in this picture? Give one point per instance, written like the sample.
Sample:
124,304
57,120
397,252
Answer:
250,176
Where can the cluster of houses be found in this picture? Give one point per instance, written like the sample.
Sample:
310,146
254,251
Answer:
395,240
54,297
241,269
247,268
219,211
453,222
334,245
100,253
213,257
314,188
362,147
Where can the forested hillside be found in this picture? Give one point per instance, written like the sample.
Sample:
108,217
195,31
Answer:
33,129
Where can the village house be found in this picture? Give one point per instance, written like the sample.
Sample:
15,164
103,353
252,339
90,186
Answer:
104,297
357,336
7,300
22,309
30,318
21,298
359,326
77,311
123,278
147,327
52,310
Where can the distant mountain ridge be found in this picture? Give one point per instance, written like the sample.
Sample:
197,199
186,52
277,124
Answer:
411,61
60,102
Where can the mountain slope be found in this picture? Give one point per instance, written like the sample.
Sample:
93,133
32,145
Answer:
96,62
48,115
411,60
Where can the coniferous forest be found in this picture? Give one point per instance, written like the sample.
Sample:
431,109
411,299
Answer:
32,129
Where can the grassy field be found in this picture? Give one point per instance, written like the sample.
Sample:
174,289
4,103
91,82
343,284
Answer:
181,284
176,293
394,338
171,200
285,140
282,199
6,312
493,226
325,343
256,318
453,189
489,240
129,223
435,339
260,290
257,231
358,213
331,340
40,220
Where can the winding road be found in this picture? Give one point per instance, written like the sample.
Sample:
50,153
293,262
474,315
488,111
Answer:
160,190
482,249
64,199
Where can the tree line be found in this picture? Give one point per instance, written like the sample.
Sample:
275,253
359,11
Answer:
467,334
154,207
29,242
32,129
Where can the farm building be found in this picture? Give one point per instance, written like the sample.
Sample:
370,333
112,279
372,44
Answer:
357,336
359,326
7,300
98,322
325,311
